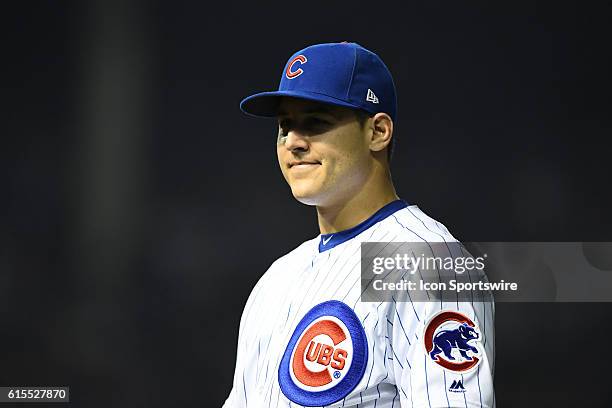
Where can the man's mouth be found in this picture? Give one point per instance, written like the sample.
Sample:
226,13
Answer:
303,164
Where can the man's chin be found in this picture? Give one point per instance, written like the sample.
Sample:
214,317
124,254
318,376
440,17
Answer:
308,200
307,197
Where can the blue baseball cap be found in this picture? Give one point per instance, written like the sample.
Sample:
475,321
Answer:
342,74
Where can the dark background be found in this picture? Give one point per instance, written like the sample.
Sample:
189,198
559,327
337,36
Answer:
139,206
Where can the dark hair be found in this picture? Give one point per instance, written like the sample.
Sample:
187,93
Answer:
362,117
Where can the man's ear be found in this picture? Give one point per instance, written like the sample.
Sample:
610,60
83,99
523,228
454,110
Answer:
382,132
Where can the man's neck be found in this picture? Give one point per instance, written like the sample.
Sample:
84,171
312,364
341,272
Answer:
355,209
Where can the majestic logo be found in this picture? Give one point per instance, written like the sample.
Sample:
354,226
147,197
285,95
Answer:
326,356
457,386
447,337
371,96
290,73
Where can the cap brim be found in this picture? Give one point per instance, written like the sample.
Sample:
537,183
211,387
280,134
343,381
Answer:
265,104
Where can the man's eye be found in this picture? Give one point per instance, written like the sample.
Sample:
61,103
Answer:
316,123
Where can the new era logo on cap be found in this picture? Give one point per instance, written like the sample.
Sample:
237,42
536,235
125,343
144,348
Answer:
371,97
342,74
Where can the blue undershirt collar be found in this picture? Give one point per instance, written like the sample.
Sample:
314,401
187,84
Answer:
328,241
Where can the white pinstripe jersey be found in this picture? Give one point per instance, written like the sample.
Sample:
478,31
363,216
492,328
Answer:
396,370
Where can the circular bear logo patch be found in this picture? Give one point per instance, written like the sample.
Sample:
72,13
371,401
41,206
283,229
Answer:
326,356
451,340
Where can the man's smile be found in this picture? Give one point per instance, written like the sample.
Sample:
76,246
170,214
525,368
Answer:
303,164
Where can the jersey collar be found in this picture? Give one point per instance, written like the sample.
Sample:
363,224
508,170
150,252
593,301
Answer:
328,241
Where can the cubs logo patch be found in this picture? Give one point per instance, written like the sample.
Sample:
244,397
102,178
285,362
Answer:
326,356
290,73
451,341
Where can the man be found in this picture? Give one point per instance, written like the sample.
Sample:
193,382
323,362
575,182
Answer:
306,337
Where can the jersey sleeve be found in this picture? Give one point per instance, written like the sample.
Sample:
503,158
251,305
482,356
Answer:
442,345
444,380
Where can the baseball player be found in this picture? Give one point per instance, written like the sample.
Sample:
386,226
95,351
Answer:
306,338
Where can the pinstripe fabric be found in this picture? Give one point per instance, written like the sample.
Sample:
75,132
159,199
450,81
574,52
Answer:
398,371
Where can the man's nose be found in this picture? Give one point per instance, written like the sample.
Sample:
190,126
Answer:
295,141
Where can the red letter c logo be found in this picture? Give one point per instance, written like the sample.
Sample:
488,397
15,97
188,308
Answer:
290,73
